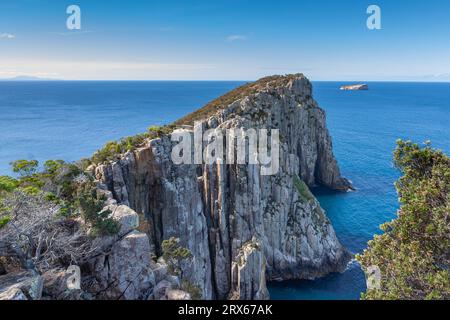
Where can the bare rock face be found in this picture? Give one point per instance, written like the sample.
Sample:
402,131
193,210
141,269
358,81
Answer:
21,285
242,228
170,198
12,294
250,265
124,270
176,294
56,285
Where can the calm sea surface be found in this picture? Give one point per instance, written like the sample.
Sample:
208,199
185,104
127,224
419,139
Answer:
70,120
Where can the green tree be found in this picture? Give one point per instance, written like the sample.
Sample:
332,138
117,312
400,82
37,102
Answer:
51,167
25,168
413,253
91,209
175,255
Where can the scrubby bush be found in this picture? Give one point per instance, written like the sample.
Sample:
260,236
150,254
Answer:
8,184
194,290
91,209
114,149
175,255
302,189
65,185
33,233
413,253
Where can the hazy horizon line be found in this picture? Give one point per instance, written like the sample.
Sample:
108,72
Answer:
207,80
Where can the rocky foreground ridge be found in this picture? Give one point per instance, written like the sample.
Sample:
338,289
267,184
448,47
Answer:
241,228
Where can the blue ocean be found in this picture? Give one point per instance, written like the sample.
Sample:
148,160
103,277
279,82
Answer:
70,120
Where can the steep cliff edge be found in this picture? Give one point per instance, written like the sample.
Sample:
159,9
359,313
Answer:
242,228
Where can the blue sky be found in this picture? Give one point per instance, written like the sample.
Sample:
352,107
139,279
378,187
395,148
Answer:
225,40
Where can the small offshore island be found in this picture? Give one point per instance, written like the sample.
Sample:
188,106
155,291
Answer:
354,87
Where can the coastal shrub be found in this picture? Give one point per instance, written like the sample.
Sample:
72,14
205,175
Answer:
49,196
31,190
51,167
4,220
106,153
302,189
413,253
65,185
29,177
34,235
175,255
25,167
194,290
112,150
154,129
8,184
91,209
240,92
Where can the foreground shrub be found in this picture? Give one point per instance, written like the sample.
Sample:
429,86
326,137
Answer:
413,254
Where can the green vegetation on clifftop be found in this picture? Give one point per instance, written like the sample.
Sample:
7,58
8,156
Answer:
239,93
65,185
112,150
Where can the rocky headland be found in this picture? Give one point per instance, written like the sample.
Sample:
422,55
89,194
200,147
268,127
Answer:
241,228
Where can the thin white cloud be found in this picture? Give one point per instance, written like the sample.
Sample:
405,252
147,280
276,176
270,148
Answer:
236,37
439,76
7,35
14,73
92,70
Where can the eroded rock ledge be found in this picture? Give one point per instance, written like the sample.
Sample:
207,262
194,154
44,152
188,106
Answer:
242,228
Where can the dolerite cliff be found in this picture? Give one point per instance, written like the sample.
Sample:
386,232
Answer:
243,228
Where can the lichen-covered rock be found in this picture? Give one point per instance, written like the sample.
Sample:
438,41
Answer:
159,291
176,294
125,271
29,283
160,271
217,210
12,294
127,218
248,279
57,285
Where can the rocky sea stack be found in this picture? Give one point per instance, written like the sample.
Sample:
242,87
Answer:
355,87
242,228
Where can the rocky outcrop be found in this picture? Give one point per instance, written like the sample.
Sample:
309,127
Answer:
355,87
250,265
170,198
125,271
120,268
12,294
57,285
21,285
242,228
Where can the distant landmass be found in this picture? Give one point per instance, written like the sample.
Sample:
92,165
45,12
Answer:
27,78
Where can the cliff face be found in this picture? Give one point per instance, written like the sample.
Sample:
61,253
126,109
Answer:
243,228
